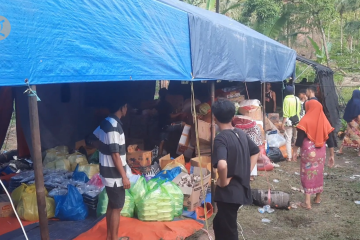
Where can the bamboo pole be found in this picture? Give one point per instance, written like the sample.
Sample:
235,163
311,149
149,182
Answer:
37,161
213,174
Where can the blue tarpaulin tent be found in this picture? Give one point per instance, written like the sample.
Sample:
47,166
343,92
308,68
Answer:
68,41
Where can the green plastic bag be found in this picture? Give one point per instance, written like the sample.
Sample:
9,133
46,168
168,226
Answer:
94,158
129,206
127,211
157,205
154,181
139,189
102,203
177,195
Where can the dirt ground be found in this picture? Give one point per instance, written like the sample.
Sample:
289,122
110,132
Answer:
337,217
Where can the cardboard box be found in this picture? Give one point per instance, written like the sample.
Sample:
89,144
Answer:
237,99
134,141
5,206
187,151
205,163
139,159
204,131
185,135
165,160
193,196
229,94
274,117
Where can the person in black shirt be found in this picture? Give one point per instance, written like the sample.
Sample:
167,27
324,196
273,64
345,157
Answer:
165,116
235,154
310,93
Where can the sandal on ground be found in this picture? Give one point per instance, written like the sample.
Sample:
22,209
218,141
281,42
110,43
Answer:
338,153
252,178
317,202
124,238
303,205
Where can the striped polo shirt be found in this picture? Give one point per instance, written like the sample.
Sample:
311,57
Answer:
111,140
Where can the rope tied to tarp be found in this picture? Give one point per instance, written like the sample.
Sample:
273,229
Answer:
30,92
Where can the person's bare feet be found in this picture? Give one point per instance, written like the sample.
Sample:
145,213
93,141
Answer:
252,178
305,206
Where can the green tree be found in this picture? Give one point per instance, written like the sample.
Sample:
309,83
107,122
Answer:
342,7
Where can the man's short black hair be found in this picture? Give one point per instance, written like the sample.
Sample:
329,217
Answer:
312,88
116,105
223,110
302,91
163,92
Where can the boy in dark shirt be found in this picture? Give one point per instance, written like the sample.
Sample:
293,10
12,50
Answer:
234,155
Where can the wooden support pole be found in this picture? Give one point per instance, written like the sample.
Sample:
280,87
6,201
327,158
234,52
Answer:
213,174
37,160
264,110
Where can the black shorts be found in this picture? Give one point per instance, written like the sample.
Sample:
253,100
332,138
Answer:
116,197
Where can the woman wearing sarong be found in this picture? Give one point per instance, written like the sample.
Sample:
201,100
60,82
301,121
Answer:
352,117
313,132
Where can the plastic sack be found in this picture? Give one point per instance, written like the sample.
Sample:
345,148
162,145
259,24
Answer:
129,206
27,208
275,154
75,159
62,149
157,205
177,195
169,174
174,164
79,176
17,194
90,169
139,189
102,203
96,181
62,164
70,207
57,192
154,181
275,140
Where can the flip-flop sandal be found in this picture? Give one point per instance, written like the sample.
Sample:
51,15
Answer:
303,205
339,153
124,238
317,202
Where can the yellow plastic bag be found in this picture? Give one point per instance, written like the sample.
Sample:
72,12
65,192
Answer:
75,159
62,164
89,169
28,210
174,164
17,193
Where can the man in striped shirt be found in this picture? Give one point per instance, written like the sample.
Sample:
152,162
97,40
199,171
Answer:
111,145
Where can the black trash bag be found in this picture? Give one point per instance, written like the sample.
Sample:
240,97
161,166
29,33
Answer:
275,154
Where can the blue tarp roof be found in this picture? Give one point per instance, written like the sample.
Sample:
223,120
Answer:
67,41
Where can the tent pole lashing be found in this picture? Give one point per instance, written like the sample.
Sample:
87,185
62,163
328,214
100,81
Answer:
37,160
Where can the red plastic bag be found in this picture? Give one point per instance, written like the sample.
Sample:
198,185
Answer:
263,162
96,181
